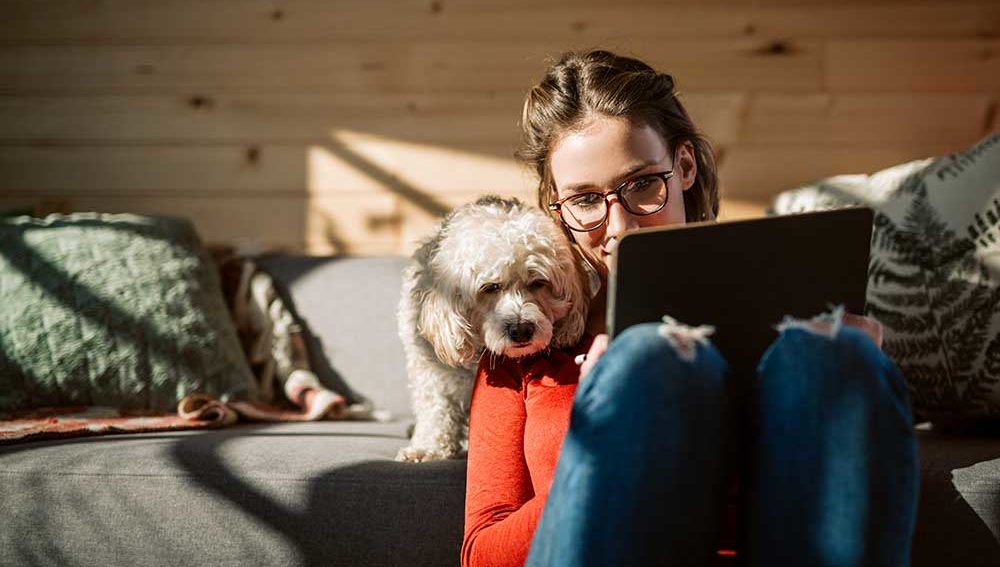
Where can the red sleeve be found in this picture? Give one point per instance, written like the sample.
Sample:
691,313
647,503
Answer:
501,510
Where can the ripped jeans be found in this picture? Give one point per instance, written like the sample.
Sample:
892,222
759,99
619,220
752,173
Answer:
821,440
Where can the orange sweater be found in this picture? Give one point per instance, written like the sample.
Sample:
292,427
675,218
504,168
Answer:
519,416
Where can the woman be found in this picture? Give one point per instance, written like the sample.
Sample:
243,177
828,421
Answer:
631,467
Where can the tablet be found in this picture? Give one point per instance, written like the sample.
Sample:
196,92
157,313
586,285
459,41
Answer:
742,277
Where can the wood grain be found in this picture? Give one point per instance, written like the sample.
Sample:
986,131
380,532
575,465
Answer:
337,126
478,66
265,21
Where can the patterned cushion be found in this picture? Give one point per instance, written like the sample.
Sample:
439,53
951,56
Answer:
934,277
112,310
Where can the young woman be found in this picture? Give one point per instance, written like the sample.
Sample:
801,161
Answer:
630,459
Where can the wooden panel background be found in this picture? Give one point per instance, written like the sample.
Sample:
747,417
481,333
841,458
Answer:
333,126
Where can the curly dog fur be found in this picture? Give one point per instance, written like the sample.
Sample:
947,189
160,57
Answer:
497,277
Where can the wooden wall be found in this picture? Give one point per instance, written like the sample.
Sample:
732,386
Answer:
335,126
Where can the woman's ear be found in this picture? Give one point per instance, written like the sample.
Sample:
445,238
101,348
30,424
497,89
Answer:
686,164
448,331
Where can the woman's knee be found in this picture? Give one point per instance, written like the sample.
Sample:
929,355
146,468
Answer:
841,359
646,391
659,359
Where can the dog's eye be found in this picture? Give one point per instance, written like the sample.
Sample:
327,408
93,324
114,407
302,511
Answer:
490,288
537,284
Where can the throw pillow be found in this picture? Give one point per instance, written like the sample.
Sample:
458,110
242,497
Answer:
112,310
934,276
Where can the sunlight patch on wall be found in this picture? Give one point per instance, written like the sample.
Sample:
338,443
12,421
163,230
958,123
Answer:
372,194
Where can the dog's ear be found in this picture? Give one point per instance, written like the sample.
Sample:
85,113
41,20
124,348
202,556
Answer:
572,286
444,326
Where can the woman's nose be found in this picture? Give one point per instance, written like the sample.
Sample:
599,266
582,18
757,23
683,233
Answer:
619,220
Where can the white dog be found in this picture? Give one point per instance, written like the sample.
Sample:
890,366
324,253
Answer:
498,276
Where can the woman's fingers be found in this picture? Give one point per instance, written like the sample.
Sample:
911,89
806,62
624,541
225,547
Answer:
866,324
597,349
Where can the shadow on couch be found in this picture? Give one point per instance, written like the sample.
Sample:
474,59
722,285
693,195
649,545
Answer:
376,512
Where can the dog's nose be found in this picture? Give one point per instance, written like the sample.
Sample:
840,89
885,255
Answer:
521,332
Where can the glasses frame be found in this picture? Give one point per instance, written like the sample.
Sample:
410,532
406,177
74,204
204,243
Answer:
664,175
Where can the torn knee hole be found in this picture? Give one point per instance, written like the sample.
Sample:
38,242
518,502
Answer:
684,337
825,324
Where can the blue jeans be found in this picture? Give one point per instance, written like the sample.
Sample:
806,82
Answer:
821,437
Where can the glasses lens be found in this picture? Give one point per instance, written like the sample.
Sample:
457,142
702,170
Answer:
645,195
584,211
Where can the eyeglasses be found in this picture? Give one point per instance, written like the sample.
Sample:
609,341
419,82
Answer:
643,195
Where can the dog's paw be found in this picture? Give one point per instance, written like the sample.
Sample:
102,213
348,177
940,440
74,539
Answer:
423,455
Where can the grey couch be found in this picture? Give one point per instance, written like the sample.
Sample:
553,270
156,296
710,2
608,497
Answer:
329,493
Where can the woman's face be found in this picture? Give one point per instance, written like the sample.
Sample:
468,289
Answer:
602,155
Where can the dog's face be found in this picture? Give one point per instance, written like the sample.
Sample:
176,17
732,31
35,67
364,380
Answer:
507,280
515,306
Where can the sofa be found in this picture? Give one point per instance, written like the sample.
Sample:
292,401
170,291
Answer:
330,493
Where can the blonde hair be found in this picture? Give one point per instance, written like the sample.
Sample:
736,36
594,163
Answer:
582,84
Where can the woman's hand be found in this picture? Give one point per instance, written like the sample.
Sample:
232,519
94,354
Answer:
866,324
597,349
869,325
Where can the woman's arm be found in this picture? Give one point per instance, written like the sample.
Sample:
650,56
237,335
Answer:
501,510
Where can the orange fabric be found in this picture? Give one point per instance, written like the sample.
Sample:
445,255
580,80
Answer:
519,415
518,418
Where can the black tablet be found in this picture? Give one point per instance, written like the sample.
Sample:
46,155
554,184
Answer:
742,277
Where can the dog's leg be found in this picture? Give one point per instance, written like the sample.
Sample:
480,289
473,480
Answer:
441,396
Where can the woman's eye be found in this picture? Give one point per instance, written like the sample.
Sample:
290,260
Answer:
639,185
490,288
587,200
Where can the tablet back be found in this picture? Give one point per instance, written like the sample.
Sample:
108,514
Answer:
742,276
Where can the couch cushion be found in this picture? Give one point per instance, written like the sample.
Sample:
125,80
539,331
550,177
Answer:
287,494
302,493
934,272
349,306
958,519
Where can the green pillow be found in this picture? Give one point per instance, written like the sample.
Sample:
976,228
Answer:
112,310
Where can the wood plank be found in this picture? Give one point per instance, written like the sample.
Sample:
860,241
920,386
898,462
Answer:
758,173
866,119
256,21
361,223
150,170
419,223
343,223
239,21
719,116
735,209
415,66
877,65
881,20
749,173
248,221
254,118
411,169
258,118
352,163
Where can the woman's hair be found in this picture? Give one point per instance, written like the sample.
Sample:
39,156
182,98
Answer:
584,84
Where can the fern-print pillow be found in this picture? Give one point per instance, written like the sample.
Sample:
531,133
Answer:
934,276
